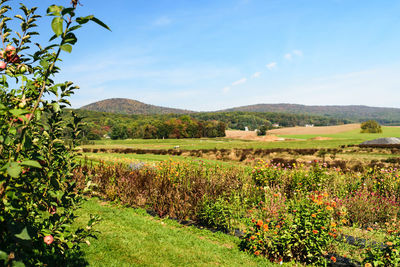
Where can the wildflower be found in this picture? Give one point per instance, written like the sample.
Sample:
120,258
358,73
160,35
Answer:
333,224
389,244
368,264
256,253
333,259
259,223
315,231
313,215
265,227
329,208
252,237
369,229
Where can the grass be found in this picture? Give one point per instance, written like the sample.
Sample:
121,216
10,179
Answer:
149,158
131,237
345,138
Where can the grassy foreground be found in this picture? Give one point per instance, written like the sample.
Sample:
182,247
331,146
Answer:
131,237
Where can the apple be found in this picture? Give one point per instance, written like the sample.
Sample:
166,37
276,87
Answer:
3,65
48,239
28,116
22,69
10,48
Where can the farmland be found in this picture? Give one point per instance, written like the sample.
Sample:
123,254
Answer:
205,183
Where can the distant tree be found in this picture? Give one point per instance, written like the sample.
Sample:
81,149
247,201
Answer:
371,126
262,130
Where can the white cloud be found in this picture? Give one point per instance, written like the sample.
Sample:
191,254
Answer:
288,56
271,65
256,75
241,81
226,89
162,21
298,53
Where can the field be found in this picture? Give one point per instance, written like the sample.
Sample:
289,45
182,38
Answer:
234,184
301,140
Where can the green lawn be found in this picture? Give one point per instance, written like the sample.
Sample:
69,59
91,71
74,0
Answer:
131,237
346,138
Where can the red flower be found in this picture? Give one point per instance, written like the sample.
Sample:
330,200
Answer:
315,231
333,259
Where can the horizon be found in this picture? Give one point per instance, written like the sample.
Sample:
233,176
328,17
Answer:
219,110
216,55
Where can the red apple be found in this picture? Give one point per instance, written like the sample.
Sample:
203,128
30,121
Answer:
48,239
10,48
3,65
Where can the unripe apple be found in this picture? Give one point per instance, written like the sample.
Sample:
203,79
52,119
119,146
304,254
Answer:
2,53
3,65
22,69
21,105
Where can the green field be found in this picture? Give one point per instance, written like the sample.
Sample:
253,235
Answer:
302,141
131,237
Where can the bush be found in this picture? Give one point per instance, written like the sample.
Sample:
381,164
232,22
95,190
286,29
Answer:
303,234
216,214
387,255
37,192
371,126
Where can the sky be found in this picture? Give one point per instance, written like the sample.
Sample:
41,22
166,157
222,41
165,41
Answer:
208,55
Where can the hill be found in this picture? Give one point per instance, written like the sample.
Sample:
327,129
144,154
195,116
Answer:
346,114
354,113
129,106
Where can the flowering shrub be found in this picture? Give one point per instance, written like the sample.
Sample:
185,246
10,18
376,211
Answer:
389,254
37,193
367,208
303,234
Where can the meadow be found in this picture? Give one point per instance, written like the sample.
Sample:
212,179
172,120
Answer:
259,213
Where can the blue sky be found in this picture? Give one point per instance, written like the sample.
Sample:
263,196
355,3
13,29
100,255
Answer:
209,55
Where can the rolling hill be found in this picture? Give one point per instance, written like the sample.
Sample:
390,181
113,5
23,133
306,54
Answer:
129,106
353,113
388,116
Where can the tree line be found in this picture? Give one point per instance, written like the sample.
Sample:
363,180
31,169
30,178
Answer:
195,125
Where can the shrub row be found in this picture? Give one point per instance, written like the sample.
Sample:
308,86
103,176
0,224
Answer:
291,212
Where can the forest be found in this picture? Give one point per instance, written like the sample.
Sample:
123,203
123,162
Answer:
195,125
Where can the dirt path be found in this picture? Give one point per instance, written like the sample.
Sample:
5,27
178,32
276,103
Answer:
251,135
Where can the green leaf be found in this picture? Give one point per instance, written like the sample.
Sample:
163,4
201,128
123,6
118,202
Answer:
96,20
18,264
66,48
3,256
55,10
23,235
83,20
14,169
57,25
31,163
18,112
